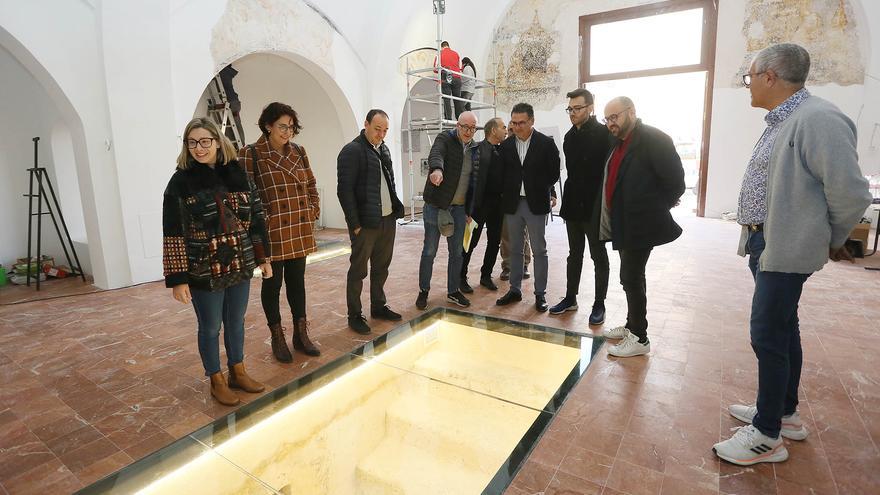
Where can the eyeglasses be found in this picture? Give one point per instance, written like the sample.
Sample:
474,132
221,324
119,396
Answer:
610,119
747,78
285,127
517,123
204,143
468,128
571,110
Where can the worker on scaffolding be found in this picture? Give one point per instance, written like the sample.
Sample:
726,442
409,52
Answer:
450,82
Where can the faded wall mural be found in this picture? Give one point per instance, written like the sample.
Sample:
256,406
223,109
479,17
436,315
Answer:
292,26
826,28
527,58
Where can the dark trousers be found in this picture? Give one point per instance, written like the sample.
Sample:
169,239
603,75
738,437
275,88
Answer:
776,340
453,89
228,307
632,278
578,233
494,217
293,273
375,246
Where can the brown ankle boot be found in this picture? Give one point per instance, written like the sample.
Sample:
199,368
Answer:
238,378
220,391
301,340
279,344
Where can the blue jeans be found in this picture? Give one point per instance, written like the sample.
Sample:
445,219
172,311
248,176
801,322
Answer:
776,340
213,307
453,243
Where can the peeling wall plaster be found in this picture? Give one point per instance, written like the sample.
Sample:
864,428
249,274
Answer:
826,28
249,26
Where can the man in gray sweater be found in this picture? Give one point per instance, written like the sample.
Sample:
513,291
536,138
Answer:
801,195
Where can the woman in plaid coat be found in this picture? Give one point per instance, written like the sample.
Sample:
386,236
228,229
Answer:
280,169
214,235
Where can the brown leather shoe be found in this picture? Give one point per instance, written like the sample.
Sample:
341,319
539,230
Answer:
220,391
238,378
279,344
301,340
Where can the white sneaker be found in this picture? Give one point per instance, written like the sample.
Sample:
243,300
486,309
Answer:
629,346
616,332
749,446
792,426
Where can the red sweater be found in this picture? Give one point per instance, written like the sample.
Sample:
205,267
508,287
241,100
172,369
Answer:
613,168
449,60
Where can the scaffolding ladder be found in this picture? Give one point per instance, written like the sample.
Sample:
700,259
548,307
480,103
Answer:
220,111
432,127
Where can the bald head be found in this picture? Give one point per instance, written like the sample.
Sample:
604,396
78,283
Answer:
620,116
467,126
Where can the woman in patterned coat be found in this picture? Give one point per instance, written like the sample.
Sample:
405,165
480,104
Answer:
280,169
214,236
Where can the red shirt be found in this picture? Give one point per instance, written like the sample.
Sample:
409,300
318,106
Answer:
449,60
613,168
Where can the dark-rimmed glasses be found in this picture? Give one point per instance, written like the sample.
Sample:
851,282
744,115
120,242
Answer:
578,108
610,119
205,143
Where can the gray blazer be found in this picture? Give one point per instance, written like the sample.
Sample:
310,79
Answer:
816,192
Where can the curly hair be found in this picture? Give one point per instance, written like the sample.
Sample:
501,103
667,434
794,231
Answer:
274,111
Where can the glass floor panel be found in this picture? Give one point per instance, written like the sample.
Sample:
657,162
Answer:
449,402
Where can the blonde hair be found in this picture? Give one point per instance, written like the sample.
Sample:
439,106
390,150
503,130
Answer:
226,152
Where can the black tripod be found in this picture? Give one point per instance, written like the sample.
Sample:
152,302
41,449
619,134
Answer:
39,174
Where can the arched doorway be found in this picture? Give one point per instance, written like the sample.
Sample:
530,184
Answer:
266,77
29,107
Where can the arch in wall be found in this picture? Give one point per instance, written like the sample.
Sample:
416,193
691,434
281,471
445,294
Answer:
325,113
65,141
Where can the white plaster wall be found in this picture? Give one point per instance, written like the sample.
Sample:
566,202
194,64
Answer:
736,126
138,78
257,84
61,48
25,112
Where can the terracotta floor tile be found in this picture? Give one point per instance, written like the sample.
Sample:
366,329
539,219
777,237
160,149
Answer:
636,480
566,484
49,477
752,479
88,454
675,486
645,452
533,476
129,344
588,465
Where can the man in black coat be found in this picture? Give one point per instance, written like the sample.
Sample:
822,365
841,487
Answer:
486,209
365,187
448,193
644,179
586,147
531,168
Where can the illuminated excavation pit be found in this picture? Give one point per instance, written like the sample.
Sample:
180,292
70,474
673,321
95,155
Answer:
447,403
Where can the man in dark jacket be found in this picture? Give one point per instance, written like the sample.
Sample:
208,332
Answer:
586,147
365,187
644,179
531,168
448,192
486,209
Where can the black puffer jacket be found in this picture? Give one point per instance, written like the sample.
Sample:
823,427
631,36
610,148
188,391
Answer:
447,154
359,168
586,150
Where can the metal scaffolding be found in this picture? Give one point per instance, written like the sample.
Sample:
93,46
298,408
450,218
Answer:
432,127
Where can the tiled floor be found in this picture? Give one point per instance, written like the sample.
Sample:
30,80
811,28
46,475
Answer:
92,382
